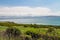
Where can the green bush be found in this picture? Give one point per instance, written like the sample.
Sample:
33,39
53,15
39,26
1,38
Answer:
28,38
51,29
12,32
33,35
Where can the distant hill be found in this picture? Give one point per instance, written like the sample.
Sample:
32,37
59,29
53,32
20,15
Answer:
19,17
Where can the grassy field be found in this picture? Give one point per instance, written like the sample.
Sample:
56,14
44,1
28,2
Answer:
29,31
25,29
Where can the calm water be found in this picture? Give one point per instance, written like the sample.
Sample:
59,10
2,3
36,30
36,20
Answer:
39,20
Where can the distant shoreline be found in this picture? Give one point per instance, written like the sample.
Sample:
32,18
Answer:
25,23
28,23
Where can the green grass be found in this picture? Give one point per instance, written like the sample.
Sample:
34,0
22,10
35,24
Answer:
39,29
24,29
35,30
3,28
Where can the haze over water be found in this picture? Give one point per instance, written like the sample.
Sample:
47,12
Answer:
36,20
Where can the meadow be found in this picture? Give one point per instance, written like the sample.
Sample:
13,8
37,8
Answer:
14,31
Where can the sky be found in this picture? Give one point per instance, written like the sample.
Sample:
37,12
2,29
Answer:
29,7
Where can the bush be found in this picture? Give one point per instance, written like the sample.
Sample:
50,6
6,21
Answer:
33,35
51,29
13,32
29,33
25,26
28,38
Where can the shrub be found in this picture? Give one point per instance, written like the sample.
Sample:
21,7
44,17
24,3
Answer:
33,35
13,32
29,33
25,26
28,38
51,29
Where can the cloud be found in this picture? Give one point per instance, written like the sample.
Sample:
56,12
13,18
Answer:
26,11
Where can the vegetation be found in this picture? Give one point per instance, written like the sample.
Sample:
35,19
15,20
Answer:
14,31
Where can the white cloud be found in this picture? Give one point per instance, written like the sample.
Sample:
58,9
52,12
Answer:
26,11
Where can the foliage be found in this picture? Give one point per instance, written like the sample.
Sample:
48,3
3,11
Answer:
34,31
13,32
33,35
51,29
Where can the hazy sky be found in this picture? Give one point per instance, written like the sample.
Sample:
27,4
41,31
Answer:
29,7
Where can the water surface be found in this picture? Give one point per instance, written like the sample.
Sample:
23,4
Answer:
37,20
